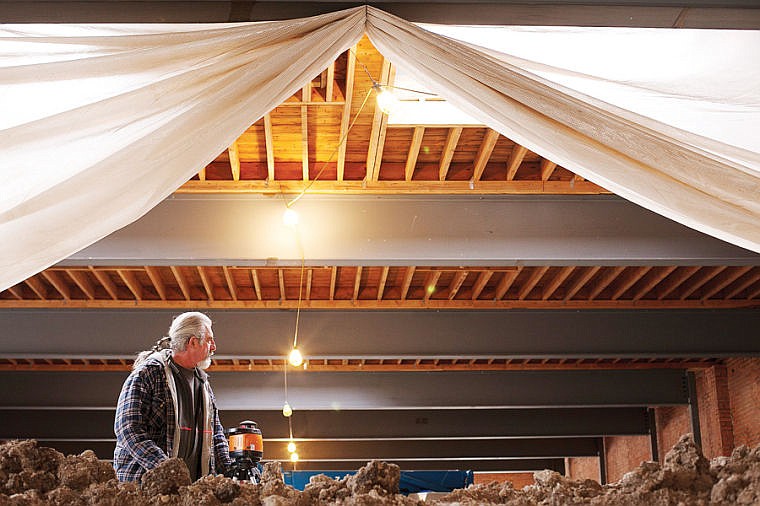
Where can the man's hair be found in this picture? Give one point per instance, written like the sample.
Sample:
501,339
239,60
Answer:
183,327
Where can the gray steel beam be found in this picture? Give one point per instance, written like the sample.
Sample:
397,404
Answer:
513,333
633,13
411,230
357,424
373,391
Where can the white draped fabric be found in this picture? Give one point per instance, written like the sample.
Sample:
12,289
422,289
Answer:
99,123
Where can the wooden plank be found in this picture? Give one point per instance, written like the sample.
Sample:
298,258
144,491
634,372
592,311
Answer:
234,161
202,174
452,138
431,280
256,283
631,278
752,279
505,283
281,280
700,279
605,280
16,292
407,281
535,277
547,169
654,281
456,283
269,141
515,160
379,128
333,278
309,274
480,283
54,279
414,151
230,282
559,278
155,278
344,119
357,282
484,153
330,84
132,283
83,282
207,286
381,283
733,276
181,281
105,280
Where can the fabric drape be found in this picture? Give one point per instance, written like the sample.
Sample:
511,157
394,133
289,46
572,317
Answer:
100,123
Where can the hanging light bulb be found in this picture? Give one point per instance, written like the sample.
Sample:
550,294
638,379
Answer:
294,457
287,410
291,447
290,217
386,100
295,358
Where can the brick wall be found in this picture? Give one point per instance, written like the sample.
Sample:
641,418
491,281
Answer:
582,468
519,480
715,418
744,394
625,453
672,422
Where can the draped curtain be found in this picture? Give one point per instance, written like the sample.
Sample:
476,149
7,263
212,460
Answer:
99,123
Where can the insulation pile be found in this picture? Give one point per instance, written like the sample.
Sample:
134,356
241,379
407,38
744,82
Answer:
32,475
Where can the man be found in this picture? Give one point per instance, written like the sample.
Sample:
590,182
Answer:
167,408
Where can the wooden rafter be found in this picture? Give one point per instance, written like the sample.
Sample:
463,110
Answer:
431,280
743,285
207,287
305,132
605,280
547,169
83,282
730,278
16,292
256,283
379,129
484,153
330,83
231,287
155,278
381,283
54,279
234,154
480,283
631,277
333,278
452,138
105,280
182,282
506,282
559,278
456,283
357,282
269,141
414,151
515,160
674,281
132,283
407,281
532,281
697,281
346,116
281,285
647,287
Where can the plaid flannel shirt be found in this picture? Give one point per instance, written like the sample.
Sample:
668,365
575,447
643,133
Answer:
145,423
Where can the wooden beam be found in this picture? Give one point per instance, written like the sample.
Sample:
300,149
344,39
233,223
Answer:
559,278
234,161
357,282
414,151
452,138
547,169
16,292
515,160
155,277
407,281
430,284
269,141
633,275
344,119
605,280
674,281
663,273
330,84
83,282
256,283
230,282
751,279
105,280
207,286
131,281
54,279
484,153
202,174
730,278
305,136
309,274
381,283
281,284
379,129
506,281
181,281
333,278
535,277
700,279
456,284
480,283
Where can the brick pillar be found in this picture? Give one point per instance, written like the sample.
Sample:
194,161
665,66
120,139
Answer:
715,411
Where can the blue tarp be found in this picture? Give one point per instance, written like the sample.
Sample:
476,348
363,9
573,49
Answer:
410,481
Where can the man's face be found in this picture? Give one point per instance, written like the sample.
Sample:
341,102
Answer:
203,349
